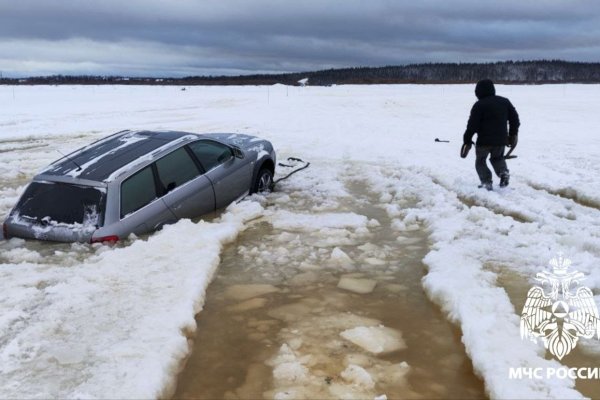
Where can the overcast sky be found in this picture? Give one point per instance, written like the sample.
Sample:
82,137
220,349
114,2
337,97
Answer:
225,37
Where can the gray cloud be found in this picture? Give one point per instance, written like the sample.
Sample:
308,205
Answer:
187,37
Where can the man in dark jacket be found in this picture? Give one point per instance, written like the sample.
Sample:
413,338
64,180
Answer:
489,117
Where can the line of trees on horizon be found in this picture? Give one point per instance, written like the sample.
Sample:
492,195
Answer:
515,72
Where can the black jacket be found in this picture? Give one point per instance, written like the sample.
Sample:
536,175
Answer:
489,116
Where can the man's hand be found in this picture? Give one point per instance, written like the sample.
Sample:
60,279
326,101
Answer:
512,141
464,150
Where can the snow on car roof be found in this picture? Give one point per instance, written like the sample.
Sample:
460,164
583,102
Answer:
101,159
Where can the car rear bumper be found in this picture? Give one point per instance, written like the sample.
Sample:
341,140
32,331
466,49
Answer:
14,227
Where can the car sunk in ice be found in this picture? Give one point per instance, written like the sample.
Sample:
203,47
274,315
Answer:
136,182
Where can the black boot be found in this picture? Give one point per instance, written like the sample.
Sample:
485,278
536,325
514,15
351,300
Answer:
504,178
487,185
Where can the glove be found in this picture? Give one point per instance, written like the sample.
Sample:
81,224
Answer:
512,140
464,150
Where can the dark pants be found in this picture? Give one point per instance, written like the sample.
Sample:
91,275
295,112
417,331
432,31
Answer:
496,154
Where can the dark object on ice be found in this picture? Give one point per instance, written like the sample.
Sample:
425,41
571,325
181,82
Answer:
138,181
508,155
441,141
488,119
464,150
300,166
512,144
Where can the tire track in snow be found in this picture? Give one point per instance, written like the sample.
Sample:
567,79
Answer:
569,194
475,201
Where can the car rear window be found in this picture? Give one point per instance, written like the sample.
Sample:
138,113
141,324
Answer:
53,202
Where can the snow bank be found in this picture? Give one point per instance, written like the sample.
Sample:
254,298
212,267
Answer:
114,326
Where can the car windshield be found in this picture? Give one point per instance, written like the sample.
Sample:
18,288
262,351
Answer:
62,203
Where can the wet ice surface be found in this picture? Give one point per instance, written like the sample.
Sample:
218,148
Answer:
325,306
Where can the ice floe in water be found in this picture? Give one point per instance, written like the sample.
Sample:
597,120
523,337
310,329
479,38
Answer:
357,285
375,339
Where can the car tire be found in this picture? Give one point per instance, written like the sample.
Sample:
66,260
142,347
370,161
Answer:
263,182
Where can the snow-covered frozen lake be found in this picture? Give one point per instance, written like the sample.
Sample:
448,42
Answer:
94,321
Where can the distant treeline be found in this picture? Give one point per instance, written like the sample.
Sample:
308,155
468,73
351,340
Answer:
518,72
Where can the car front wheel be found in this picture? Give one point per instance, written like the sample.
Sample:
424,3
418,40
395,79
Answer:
264,181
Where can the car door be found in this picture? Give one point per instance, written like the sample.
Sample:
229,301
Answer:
186,191
141,209
230,176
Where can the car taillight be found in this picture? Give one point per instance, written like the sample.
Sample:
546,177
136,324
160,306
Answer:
5,231
104,239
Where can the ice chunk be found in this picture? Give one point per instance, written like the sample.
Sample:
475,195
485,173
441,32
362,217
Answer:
288,366
360,286
303,279
338,257
375,339
373,223
358,376
22,255
291,312
391,373
408,240
374,261
393,210
398,225
244,292
252,304
385,198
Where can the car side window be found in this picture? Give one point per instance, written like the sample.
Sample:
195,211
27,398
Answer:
210,154
175,169
137,191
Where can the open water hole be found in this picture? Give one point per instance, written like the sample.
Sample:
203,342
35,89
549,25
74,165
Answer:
273,317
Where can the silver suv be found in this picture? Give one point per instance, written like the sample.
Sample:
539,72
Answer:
136,182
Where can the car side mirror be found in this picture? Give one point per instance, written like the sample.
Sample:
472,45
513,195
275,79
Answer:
237,152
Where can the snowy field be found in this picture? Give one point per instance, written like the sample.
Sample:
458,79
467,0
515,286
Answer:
93,321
